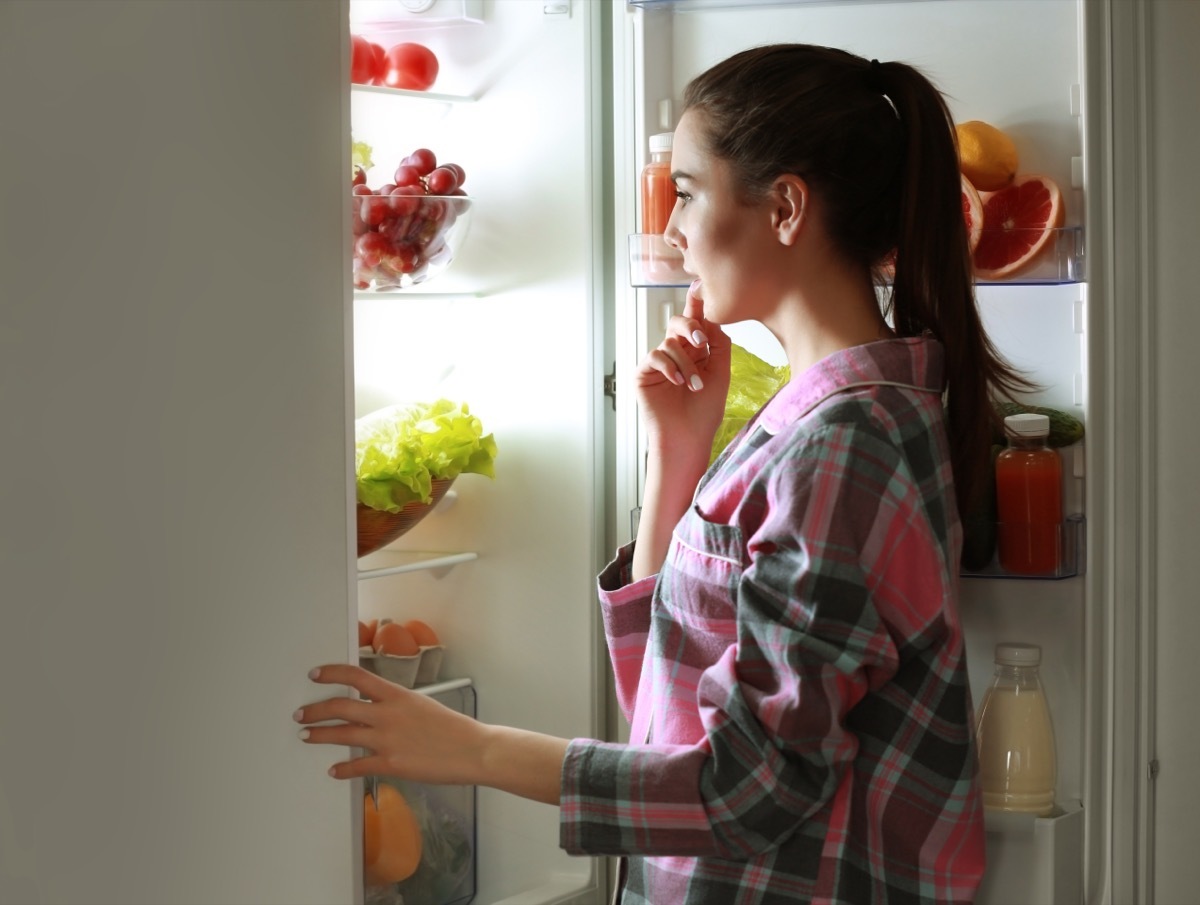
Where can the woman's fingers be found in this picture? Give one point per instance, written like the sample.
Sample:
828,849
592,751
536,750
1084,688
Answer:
368,765
363,681
348,710
352,736
676,363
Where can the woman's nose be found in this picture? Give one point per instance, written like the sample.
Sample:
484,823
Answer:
672,236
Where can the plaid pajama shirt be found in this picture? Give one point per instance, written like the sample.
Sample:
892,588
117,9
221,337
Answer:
805,686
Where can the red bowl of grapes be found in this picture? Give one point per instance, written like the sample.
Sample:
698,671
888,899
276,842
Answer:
408,231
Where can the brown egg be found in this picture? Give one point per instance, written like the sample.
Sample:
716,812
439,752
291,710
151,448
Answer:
422,633
393,638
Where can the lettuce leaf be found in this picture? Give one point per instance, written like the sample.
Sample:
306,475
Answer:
360,156
398,451
752,382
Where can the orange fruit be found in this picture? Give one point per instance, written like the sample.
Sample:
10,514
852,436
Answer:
422,633
393,638
372,827
366,632
1018,225
972,213
986,155
392,843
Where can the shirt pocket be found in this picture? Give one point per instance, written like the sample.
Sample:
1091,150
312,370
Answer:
704,569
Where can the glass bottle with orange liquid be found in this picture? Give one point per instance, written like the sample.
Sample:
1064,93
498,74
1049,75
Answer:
658,191
1029,498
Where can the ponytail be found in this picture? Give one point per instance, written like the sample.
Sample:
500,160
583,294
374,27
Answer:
933,287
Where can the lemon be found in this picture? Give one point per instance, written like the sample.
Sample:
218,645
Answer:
986,155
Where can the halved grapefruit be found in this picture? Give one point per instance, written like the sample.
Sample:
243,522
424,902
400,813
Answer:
972,213
1018,225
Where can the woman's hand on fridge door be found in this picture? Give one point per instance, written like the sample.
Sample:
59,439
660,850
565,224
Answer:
410,736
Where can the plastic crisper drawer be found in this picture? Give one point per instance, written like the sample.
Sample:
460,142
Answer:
445,874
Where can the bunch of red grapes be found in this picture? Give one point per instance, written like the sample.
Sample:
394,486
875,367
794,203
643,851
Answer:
401,228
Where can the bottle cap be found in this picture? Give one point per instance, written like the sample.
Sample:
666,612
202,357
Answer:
661,142
1017,654
1027,425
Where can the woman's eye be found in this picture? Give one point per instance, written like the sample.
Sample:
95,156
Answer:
683,196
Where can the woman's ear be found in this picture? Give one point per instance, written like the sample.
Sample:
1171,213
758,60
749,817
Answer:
789,207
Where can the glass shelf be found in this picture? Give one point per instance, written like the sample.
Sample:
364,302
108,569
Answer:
366,294
1072,560
655,264
432,96
397,562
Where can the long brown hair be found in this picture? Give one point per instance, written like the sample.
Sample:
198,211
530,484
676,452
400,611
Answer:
875,142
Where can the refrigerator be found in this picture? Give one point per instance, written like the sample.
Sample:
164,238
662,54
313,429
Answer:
184,357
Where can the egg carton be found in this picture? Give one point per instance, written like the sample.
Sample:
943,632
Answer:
421,668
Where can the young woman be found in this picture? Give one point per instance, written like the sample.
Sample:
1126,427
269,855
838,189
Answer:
785,632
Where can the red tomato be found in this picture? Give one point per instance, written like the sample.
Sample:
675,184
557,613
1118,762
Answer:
379,64
362,61
410,66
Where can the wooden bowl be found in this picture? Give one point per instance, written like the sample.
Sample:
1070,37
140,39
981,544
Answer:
377,529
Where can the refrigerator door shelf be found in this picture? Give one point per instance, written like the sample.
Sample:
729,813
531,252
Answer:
653,263
1034,860
396,562
1071,564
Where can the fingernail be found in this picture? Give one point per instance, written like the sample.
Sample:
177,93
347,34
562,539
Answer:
298,716
304,733
699,338
332,771
697,383
314,672
695,283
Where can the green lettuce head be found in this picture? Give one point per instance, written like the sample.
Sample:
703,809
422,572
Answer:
399,450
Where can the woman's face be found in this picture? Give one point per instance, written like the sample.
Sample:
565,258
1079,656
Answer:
724,239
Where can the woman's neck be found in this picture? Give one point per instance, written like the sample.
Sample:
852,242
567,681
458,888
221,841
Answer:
830,311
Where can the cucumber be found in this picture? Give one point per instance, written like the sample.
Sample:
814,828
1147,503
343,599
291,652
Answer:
1065,429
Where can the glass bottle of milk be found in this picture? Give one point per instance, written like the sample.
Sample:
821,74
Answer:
1017,763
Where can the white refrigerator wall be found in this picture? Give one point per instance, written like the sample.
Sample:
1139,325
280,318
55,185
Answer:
513,329
174,411
1016,64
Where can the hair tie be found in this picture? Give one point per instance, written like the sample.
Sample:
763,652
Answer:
875,77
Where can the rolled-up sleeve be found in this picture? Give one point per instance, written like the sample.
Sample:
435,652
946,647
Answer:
625,610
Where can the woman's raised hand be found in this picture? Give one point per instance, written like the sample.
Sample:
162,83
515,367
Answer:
683,382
